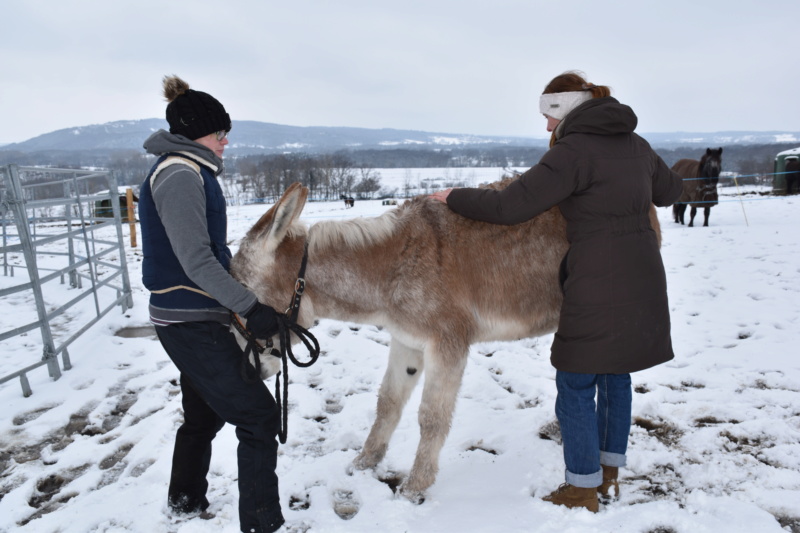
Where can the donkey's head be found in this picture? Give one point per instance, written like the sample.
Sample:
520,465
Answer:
269,256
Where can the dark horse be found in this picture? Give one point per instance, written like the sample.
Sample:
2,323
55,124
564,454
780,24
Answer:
349,201
699,184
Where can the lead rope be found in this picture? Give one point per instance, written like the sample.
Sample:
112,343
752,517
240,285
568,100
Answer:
287,324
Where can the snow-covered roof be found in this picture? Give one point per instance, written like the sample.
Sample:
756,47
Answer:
793,151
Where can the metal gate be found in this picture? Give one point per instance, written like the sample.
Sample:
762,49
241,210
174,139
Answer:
56,253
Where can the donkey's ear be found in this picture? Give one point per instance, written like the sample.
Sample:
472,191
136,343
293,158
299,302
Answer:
299,197
275,223
720,150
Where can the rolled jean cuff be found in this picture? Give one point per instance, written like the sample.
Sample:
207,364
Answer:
612,459
584,481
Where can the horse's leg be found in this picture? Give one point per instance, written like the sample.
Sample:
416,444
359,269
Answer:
681,213
443,374
402,375
706,213
675,217
693,213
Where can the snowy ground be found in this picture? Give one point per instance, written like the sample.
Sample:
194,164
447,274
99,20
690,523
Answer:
715,443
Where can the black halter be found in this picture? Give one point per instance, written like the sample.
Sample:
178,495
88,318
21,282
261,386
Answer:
287,324
299,287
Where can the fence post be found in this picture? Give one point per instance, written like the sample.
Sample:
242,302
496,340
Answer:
123,262
131,216
6,268
17,202
74,278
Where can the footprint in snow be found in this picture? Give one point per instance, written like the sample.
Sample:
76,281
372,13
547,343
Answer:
345,504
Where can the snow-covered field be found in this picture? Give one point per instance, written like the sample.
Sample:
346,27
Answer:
420,178
715,443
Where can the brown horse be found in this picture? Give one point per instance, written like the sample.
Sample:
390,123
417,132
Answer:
699,185
437,282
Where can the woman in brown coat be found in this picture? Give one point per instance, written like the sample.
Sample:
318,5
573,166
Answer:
615,317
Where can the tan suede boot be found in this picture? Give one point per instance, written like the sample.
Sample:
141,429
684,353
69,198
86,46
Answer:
609,490
574,497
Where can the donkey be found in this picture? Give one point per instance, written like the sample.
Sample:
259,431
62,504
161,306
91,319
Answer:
699,184
437,282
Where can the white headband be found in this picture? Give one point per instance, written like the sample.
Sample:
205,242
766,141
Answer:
558,105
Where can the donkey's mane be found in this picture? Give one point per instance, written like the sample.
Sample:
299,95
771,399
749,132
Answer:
297,229
355,233
360,232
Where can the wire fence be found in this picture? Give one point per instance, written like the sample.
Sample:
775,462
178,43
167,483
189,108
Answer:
759,187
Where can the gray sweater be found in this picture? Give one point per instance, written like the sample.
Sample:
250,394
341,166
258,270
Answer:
181,202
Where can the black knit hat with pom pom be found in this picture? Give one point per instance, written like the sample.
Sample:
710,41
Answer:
193,114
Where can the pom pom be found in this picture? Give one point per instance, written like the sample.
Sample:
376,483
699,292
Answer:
174,87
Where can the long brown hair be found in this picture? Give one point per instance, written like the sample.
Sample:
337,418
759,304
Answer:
573,80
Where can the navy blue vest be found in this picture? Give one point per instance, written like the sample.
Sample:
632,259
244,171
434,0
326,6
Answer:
162,273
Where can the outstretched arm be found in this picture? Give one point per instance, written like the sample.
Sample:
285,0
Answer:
667,185
441,195
544,185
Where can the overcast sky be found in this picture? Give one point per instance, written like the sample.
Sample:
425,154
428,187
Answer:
450,66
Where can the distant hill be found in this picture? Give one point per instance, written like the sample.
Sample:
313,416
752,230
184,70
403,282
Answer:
251,137
720,138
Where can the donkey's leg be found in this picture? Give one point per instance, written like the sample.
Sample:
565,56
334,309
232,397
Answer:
691,220
402,375
706,213
443,375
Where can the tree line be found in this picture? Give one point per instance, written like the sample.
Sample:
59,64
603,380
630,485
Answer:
352,172
327,176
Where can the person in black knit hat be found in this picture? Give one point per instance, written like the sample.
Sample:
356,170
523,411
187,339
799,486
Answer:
186,269
193,114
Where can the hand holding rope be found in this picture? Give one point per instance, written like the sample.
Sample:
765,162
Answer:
252,373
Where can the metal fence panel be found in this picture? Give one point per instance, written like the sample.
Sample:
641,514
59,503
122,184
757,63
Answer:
54,242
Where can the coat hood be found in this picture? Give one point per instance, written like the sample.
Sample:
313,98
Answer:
599,116
162,142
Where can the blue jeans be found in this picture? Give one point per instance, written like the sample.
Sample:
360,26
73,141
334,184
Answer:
593,434
214,392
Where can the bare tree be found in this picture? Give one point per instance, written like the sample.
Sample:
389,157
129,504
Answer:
130,166
367,187
407,183
337,175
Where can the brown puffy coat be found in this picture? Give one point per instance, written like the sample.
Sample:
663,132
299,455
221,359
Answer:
615,316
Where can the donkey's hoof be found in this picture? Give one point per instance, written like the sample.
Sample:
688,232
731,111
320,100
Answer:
367,460
363,462
416,497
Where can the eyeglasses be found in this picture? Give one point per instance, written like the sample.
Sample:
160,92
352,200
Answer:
221,134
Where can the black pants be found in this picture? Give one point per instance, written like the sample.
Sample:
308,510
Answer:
214,392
